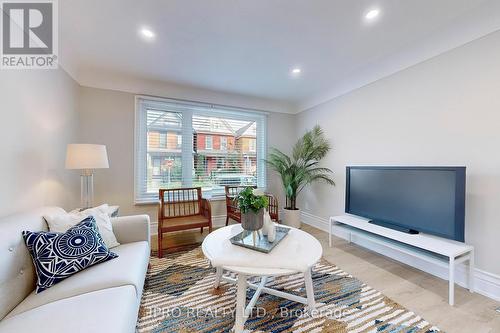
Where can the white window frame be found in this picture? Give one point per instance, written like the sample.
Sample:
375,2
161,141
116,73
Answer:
187,109
223,139
179,140
154,166
163,139
207,146
252,145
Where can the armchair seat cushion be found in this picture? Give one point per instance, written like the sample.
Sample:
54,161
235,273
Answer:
187,222
235,215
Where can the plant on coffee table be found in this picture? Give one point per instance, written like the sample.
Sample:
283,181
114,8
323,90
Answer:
251,203
251,199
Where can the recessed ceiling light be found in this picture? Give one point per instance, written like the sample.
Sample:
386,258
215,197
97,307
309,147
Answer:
296,71
147,33
372,14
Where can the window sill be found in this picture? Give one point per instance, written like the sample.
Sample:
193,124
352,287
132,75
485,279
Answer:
155,202
147,203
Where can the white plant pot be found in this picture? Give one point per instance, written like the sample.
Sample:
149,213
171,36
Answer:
291,218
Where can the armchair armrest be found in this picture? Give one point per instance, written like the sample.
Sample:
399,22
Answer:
206,209
132,228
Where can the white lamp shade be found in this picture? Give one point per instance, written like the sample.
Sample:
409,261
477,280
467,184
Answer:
85,156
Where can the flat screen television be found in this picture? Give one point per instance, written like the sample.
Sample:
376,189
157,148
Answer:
410,199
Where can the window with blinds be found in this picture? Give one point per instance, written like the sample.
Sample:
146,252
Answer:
183,144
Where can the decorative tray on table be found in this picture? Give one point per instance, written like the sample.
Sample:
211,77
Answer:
256,241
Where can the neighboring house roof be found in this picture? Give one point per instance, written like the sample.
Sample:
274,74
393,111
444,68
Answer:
224,126
160,120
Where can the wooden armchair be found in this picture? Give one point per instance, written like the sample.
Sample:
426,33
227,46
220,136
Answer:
182,209
233,212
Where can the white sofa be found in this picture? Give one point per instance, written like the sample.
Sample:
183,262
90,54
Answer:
103,298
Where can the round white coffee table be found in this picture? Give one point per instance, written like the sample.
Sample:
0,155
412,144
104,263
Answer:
216,242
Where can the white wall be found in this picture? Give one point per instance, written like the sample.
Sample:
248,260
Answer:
107,117
105,79
445,111
37,119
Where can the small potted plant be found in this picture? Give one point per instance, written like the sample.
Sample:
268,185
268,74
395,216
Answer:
252,203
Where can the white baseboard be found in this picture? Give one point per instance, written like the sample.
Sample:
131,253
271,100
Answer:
314,221
485,283
217,221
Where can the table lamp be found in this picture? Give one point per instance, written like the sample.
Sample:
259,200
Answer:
86,157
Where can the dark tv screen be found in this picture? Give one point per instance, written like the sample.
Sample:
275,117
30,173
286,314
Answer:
424,199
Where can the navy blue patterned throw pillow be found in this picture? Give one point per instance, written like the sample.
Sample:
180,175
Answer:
59,255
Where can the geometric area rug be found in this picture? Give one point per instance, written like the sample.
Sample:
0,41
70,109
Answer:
179,297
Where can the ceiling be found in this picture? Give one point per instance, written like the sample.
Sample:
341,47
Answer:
249,47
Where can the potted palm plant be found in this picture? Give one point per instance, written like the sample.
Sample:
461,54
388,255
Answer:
301,169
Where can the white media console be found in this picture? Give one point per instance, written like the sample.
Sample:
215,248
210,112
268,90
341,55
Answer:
423,246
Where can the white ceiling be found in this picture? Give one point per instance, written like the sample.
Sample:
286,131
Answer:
248,47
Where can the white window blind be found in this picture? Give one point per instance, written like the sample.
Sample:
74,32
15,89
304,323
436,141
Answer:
182,144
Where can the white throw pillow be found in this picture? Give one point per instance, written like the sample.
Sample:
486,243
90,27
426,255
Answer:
62,222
